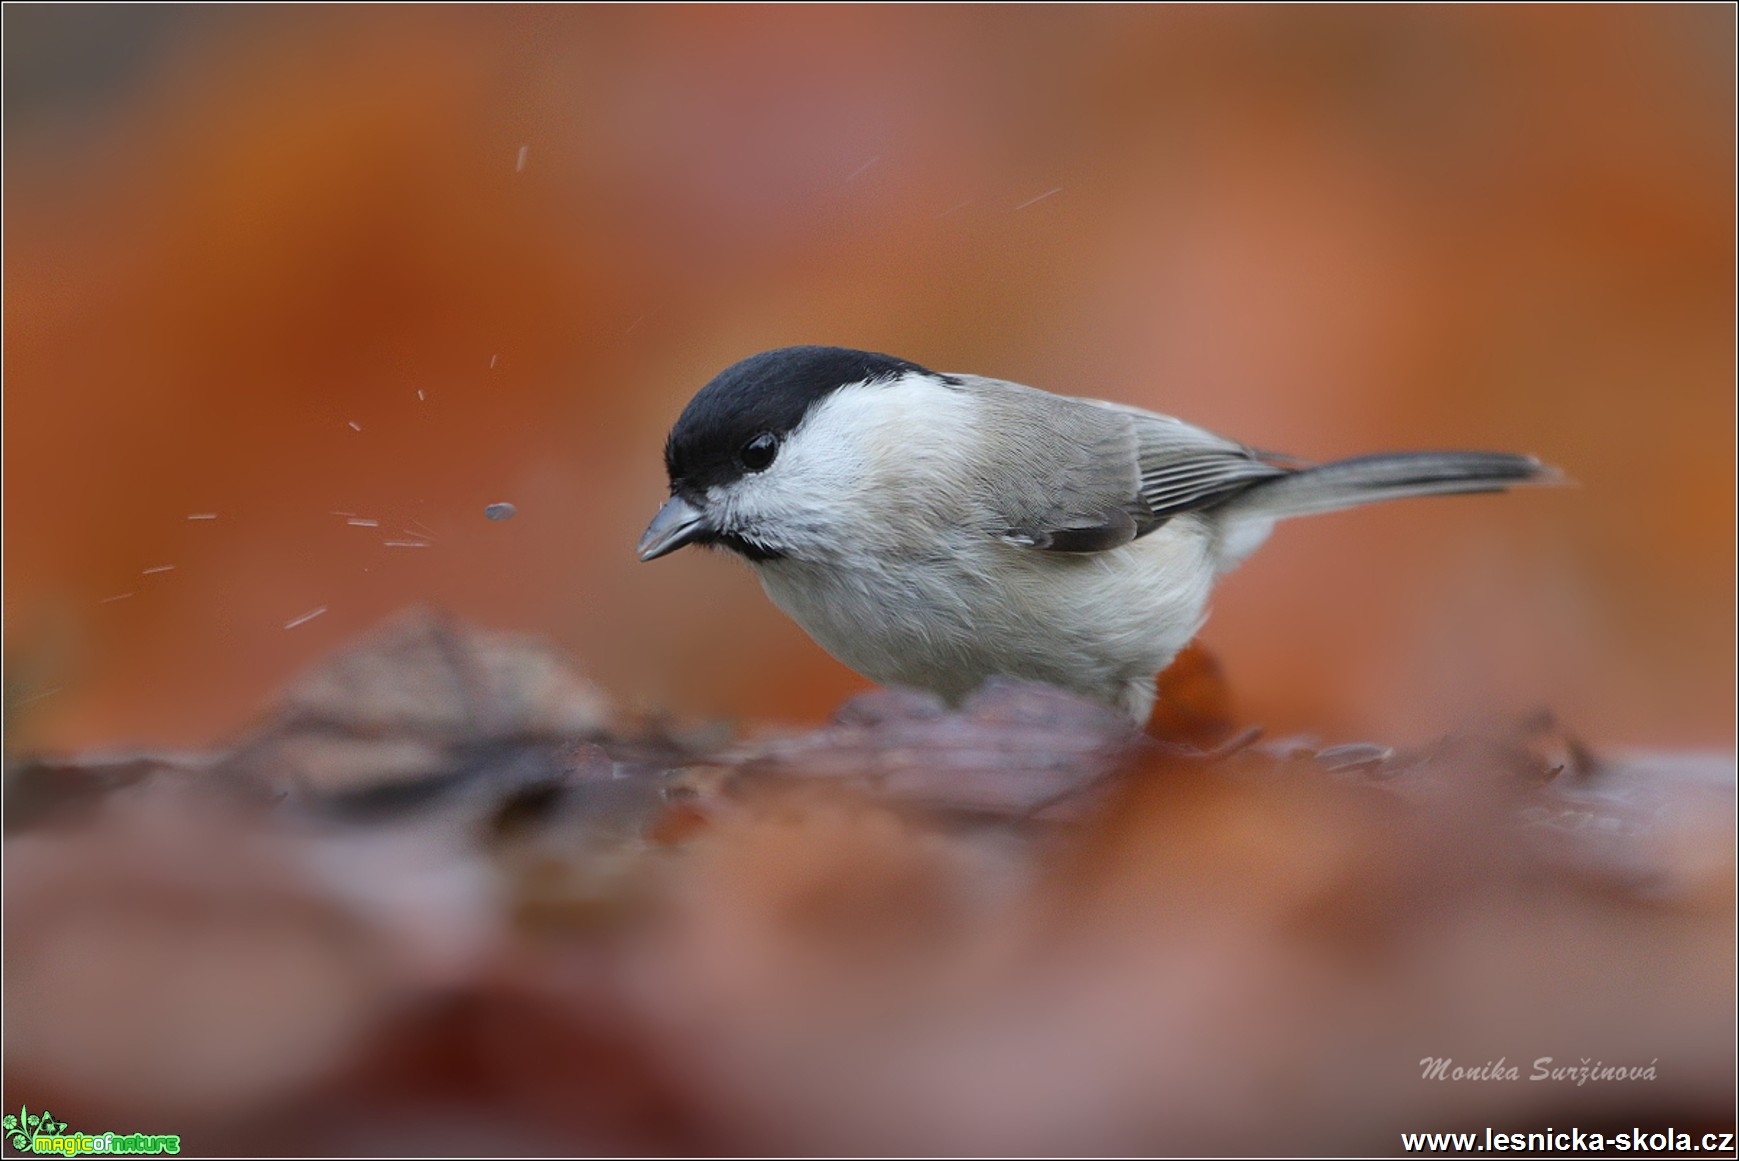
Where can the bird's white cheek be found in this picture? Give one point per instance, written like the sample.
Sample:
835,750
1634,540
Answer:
873,470
795,511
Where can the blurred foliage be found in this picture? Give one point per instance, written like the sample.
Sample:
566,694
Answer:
446,899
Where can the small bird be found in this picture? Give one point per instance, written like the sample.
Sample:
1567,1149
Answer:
937,530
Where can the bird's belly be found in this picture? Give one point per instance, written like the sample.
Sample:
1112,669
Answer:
1093,622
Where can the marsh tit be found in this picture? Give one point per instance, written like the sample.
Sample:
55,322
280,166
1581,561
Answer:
934,531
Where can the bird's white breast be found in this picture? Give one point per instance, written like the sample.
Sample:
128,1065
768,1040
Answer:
912,585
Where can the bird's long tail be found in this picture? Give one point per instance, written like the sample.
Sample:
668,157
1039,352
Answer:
1387,476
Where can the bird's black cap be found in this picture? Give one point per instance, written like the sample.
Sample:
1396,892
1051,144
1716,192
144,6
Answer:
769,392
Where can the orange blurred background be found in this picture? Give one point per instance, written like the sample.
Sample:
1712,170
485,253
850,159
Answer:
508,244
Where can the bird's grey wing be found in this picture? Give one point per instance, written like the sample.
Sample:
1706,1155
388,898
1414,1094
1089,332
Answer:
1185,468
1067,474
1084,476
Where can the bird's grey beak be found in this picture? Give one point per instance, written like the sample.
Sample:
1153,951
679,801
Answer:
677,523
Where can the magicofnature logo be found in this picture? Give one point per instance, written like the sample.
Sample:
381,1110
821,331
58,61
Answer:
40,1132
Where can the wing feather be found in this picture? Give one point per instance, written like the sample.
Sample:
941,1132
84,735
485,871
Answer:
1080,475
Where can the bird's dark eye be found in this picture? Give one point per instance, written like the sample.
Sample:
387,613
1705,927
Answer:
758,453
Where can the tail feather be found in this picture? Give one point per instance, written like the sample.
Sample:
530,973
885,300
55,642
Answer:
1388,476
